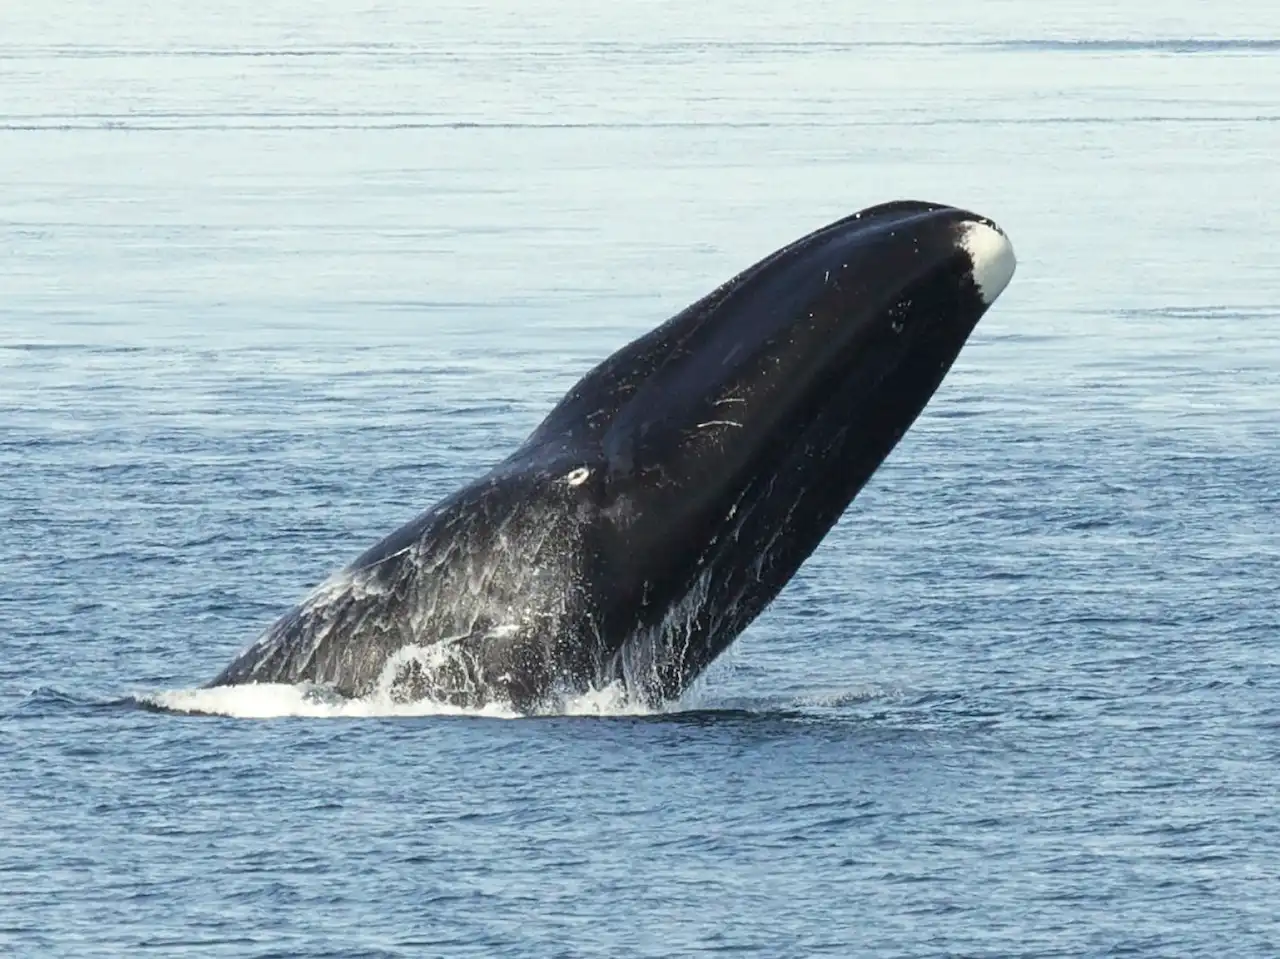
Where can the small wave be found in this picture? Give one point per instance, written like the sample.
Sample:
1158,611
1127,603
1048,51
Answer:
1163,45
44,700
857,696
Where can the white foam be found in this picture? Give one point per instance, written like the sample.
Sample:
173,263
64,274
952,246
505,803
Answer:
277,700
992,256
280,700
612,700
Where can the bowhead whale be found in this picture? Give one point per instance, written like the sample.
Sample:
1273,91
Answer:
671,494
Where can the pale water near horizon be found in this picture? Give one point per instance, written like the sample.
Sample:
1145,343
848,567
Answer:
277,276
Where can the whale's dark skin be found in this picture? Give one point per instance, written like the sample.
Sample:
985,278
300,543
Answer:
671,494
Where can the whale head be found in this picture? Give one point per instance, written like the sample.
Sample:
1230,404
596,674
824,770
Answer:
718,450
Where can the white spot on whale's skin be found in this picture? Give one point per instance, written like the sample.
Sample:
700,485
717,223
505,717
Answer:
992,256
577,477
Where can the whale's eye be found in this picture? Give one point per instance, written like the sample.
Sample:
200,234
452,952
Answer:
577,477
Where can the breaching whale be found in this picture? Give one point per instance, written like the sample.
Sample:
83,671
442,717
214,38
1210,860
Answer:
671,494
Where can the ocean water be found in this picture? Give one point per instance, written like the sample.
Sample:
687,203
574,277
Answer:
275,276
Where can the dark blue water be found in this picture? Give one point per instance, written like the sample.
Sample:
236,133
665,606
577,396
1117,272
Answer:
275,278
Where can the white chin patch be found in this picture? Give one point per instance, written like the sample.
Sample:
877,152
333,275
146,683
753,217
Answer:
992,256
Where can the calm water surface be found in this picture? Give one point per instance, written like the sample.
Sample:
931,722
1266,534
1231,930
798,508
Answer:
275,276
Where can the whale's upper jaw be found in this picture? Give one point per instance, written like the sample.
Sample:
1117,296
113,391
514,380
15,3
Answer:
809,310
899,283
992,257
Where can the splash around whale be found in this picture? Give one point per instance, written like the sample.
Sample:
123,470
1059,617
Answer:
670,495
